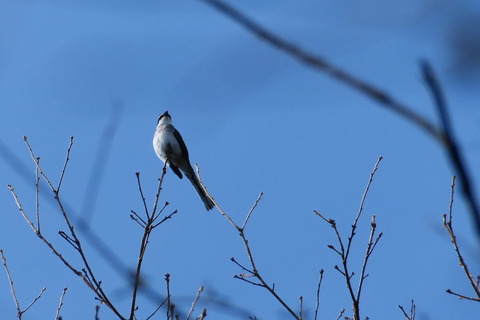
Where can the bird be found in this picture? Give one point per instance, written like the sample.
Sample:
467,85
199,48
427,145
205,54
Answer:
171,149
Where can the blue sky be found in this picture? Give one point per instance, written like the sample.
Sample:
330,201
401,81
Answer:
254,120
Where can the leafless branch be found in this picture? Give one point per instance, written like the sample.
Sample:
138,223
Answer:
87,276
317,304
67,158
447,224
60,304
443,135
344,251
254,271
410,316
251,210
20,312
194,302
148,223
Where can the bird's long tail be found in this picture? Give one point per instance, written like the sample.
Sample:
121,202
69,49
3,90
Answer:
196,184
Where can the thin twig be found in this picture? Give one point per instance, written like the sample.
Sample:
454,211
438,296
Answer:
137,174
255,272
362,202
343,252
412,311
156,309
67,158
37,198
199,291
300,303
317,303
251,210
447,224
39,295
12,288
91,281
370,247
60,304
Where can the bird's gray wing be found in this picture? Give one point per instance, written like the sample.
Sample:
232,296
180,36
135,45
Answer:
181,143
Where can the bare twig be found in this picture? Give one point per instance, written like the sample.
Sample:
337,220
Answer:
87,276
156,309
67,158
20,312
344,251
362,202
194,302
443,136
148,224
254,271
410,316
37,198
317,304
300,308
60,304
447,224
251,210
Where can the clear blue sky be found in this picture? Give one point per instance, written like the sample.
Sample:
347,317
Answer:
255,121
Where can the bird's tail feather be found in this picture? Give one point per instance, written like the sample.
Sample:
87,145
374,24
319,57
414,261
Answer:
196,184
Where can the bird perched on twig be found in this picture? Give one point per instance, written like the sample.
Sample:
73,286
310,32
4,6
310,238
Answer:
170,148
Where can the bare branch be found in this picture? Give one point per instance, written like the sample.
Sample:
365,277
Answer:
20,312
447,224
362,202
60,304
320,64
317,304
67,158
255,273
251,210
194,302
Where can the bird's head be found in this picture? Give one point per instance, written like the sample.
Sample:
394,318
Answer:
164,118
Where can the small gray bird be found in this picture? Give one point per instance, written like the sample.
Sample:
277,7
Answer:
169,146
